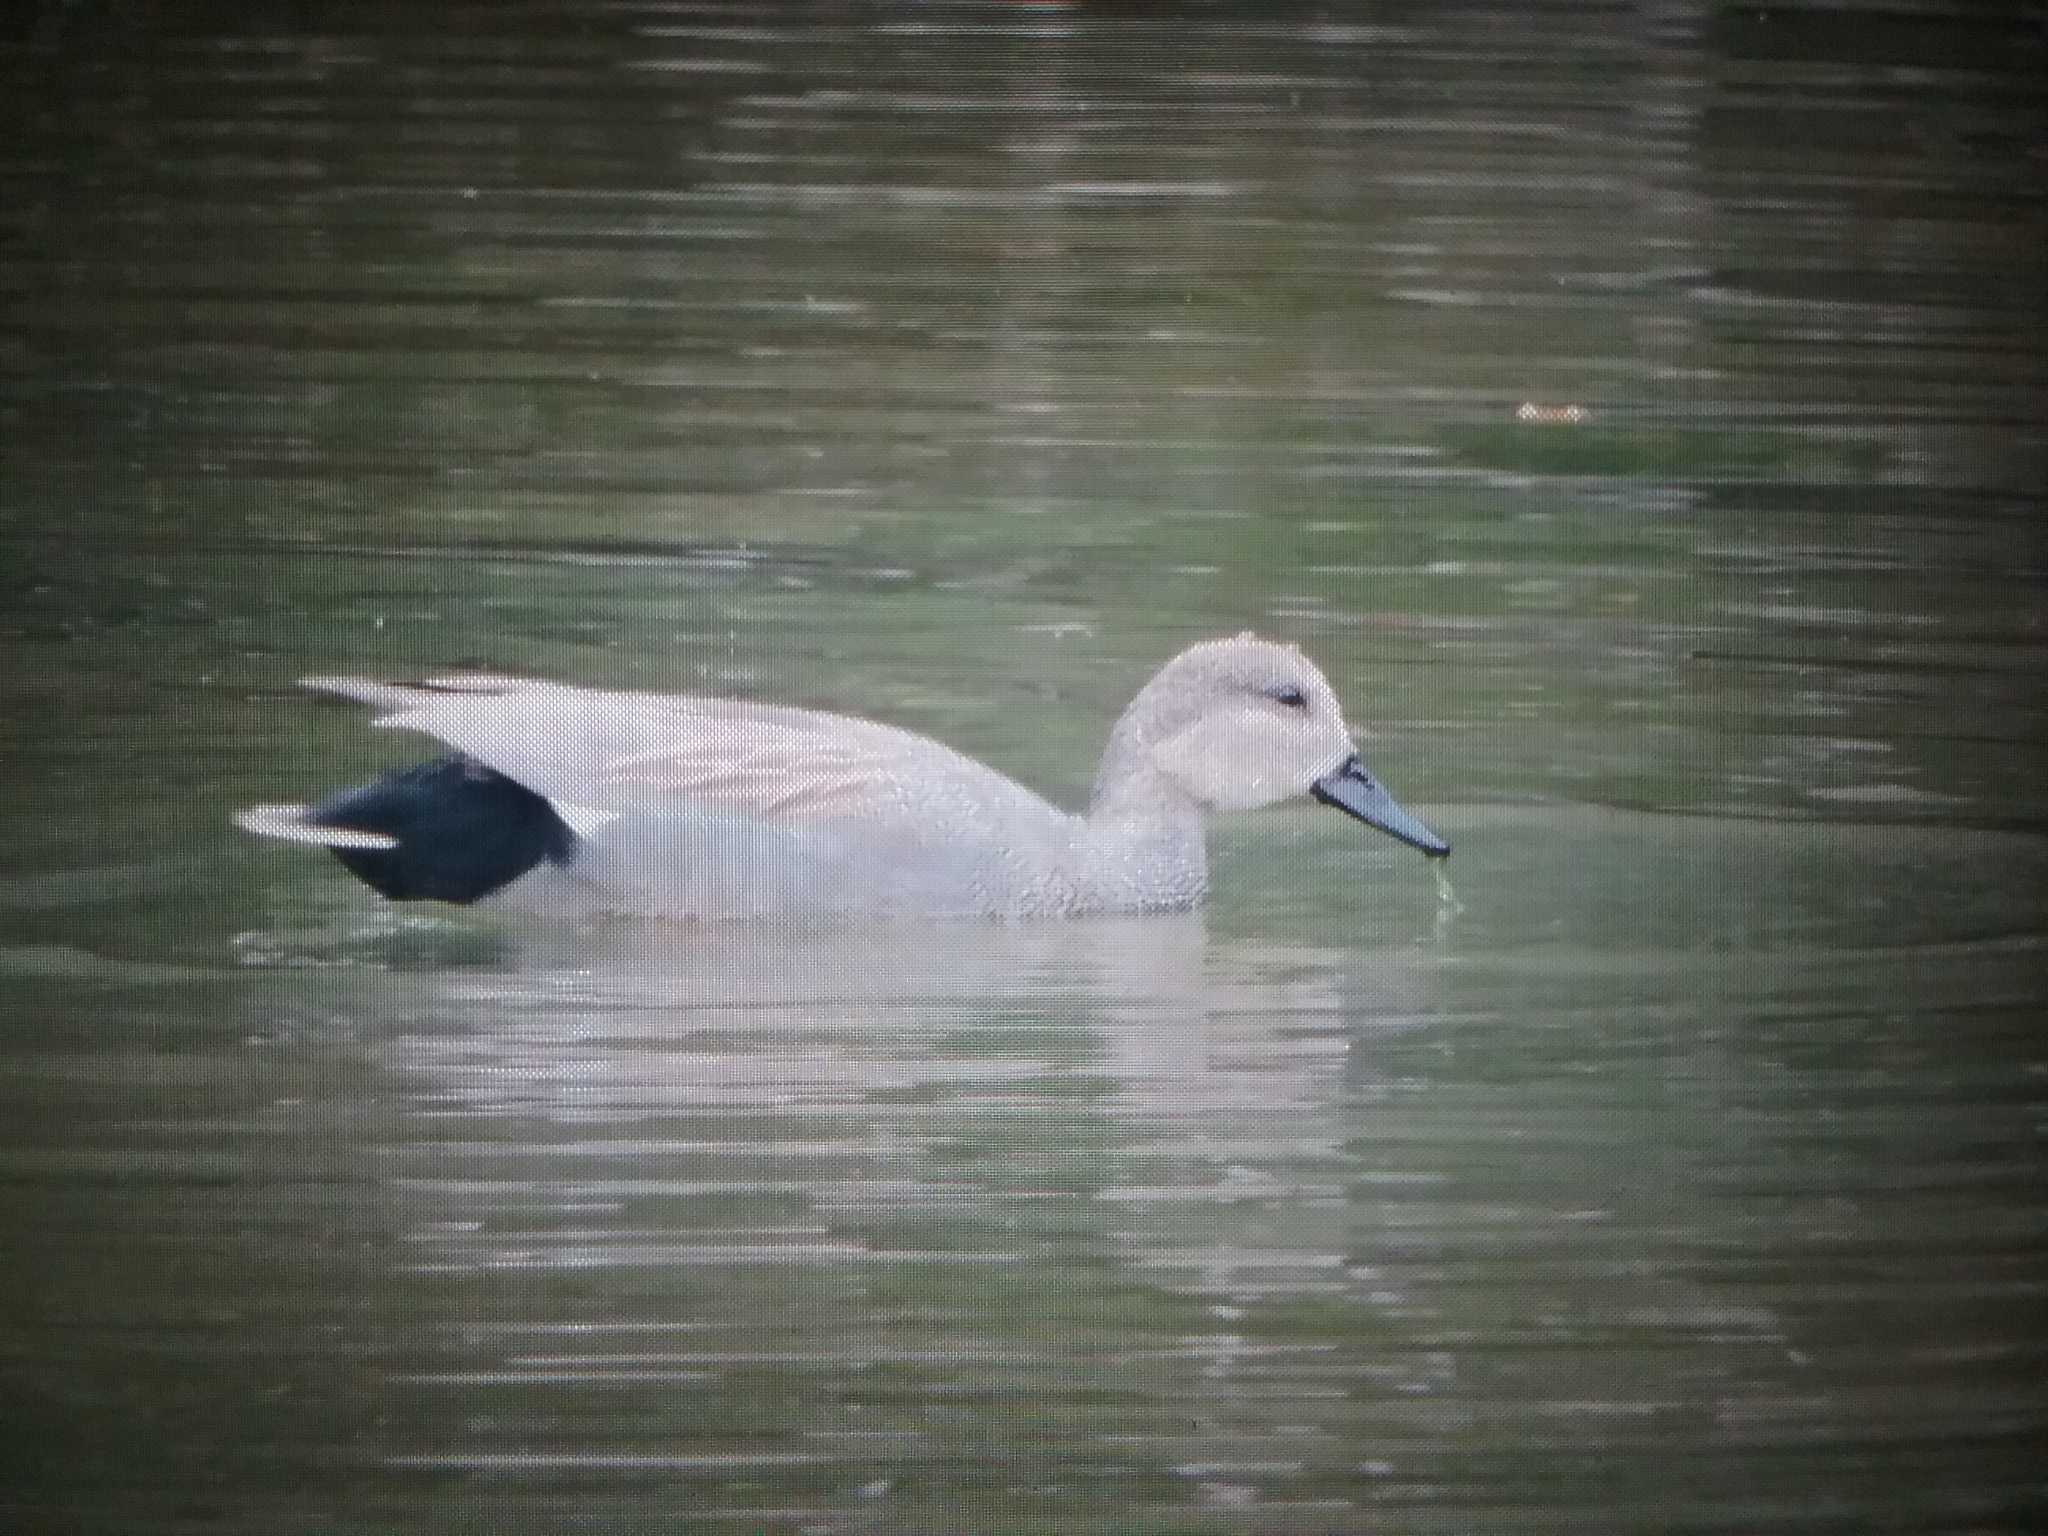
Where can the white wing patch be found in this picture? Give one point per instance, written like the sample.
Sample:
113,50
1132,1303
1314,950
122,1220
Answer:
583,820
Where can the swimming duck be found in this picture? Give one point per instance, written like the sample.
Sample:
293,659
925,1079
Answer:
566,799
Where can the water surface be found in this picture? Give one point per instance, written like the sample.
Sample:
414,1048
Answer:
1640,417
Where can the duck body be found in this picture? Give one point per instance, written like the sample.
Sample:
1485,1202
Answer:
574,800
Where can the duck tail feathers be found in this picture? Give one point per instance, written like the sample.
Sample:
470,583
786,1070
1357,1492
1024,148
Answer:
290,823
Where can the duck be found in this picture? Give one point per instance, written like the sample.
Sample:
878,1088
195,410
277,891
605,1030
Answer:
554,798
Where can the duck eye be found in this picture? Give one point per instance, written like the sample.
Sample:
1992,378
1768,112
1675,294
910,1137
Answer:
1289,695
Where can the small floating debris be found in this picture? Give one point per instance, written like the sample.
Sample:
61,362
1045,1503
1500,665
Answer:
1551,415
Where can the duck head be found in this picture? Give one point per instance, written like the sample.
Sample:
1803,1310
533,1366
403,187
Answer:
1240,723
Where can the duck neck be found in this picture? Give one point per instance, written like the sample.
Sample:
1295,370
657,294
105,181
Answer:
1142,845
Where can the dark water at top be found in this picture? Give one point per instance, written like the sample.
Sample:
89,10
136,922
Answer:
1639,414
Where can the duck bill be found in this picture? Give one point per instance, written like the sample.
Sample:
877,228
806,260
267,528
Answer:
1358,794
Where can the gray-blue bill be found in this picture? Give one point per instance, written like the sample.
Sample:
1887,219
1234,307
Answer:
1357,793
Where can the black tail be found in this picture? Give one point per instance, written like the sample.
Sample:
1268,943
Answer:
462,831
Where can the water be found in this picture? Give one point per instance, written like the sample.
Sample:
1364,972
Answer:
955,366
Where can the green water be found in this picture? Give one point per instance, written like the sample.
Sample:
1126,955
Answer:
954,366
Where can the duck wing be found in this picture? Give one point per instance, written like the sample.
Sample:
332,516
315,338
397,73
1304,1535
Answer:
598,755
